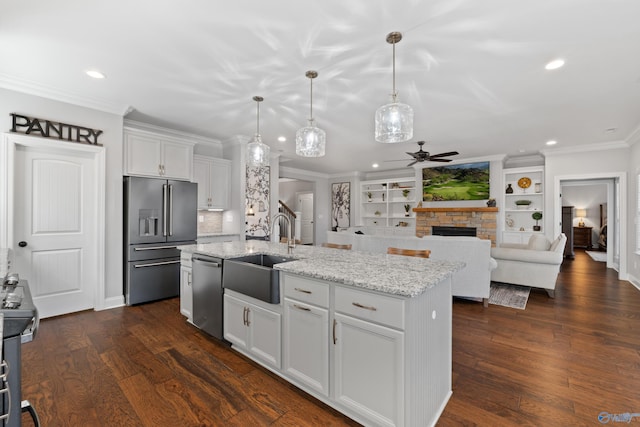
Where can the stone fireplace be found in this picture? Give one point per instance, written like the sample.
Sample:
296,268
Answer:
483,219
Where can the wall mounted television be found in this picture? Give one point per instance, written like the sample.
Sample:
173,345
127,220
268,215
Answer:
467,181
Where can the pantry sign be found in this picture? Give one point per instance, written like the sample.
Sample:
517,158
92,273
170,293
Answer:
48,129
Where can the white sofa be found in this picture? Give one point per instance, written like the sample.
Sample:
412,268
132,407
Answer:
535,264
473,281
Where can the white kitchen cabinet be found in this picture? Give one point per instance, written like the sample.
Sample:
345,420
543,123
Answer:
186,291
157,155
213,177
369,369
389,356
253,329
306,344
369,355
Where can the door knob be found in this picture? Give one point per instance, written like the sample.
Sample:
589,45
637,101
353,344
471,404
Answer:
22,244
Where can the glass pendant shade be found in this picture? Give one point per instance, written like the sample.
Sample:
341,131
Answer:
257,151
394,122
311,140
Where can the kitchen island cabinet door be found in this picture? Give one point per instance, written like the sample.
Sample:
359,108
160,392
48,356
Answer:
253,330
235,322
306,345
369,370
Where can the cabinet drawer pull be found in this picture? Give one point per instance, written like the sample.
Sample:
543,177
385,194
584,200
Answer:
335,322
299,307
248,321
366,307
304,291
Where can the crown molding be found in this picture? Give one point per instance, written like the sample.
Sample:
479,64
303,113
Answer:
602,146
146,127
37,89
284,171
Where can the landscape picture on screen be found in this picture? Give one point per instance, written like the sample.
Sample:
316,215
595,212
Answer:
468,181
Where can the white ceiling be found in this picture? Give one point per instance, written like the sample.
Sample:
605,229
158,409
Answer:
472,70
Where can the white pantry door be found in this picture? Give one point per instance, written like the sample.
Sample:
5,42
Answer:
305,207
55,227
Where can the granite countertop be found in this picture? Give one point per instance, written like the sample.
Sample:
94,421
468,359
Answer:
392,274
217,234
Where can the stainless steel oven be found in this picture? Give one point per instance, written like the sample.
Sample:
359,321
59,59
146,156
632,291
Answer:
20,324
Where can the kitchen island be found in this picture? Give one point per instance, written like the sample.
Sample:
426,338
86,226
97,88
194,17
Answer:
368,334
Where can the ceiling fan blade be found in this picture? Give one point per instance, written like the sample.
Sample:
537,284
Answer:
440,160
412,163
450,153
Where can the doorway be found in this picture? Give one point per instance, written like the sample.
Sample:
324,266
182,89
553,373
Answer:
299,195
597,200
53,212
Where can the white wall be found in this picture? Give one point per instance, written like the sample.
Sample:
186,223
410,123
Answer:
602,161
632,207
111,139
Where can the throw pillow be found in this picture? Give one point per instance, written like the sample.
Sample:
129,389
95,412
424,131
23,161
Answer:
537,242
555,244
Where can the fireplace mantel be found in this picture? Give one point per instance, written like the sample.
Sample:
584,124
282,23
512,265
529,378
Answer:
460,209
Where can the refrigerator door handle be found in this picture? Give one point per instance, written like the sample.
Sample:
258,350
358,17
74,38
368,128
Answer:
164,209
170,210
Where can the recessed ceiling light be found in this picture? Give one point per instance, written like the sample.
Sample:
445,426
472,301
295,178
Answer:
95,74
552,142
555,64
375,165
282,138
522,150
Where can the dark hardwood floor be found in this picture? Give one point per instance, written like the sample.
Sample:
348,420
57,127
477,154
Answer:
560,362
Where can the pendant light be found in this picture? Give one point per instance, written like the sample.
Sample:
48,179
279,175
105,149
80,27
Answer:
310,140
394,121
257,151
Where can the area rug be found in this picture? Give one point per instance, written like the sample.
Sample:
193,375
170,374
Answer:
597,256
509,295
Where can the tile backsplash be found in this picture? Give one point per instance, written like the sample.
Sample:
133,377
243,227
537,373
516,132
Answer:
212,222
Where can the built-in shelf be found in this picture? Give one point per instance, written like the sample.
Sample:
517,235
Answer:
388,198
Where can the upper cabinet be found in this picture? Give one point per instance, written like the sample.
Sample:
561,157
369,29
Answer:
157,155
213,177
523,196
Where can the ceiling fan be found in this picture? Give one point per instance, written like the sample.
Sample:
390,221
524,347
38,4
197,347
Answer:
422,156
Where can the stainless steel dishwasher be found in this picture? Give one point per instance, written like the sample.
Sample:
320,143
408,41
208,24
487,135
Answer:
207,294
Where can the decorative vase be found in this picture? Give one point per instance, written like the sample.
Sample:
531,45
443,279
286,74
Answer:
509,189
536,228
538,187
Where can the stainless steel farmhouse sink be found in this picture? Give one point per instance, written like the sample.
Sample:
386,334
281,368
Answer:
254,275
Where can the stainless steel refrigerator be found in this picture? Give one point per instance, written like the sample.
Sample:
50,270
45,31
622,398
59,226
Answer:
159,215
